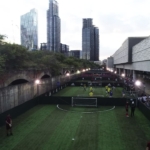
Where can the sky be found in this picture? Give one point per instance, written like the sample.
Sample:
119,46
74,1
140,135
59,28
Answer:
116,19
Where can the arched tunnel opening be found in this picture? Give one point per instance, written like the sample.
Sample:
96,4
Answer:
72,71
17,82
45,76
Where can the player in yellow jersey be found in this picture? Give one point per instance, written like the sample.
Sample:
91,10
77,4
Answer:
91,94
91,89
106,88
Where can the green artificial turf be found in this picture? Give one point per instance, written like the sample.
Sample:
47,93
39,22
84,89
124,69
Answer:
79,91
45,127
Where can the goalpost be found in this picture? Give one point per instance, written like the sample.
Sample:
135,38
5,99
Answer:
88,102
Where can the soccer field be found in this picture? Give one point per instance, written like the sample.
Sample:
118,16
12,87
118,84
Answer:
45,127
79,91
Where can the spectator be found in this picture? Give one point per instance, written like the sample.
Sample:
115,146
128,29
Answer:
132,108
127,106
148,146
8,125
140,98
148,101
144,99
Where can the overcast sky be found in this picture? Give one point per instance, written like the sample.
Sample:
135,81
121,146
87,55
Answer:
116,20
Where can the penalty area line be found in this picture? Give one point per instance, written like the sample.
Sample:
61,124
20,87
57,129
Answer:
86,112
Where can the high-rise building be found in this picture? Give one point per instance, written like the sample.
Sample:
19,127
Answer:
64,49
90,40
53,27
29,30
75,53
43,46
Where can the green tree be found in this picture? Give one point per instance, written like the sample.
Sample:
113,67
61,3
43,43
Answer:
15,56
2,39
2,63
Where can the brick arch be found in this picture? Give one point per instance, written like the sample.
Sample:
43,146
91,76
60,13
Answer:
67,71
72,70
17,77
42,74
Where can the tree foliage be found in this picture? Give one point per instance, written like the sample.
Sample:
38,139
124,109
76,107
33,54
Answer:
17,57
2,39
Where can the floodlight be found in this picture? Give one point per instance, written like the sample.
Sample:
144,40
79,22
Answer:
137,83
68,74
37,81
123,75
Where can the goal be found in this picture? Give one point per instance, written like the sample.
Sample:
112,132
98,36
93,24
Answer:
79,101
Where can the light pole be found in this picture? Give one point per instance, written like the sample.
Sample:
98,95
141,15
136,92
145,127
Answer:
37,82
123,75
137,84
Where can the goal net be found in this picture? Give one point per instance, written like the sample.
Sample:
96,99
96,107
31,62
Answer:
79,101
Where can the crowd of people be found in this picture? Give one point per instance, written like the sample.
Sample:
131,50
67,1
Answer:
145,99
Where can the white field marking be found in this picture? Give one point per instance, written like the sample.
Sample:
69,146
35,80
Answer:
89,96
100,95
87,112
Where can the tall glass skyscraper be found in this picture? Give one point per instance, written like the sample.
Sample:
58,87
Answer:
90,40
53,27
29,30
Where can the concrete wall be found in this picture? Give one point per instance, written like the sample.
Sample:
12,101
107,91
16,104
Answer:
121,55
141,51
124,53
13,96
29,75
138,66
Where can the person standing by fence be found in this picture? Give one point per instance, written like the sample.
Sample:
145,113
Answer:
127,108
8,125
132,108
148,146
